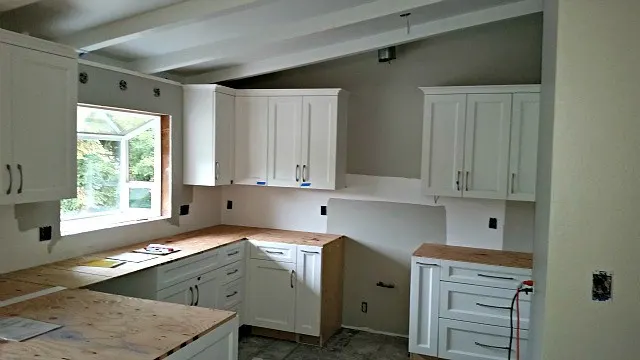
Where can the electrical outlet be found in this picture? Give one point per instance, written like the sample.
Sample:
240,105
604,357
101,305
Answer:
184,210
364,306
229,204
45,233
493,223
323,210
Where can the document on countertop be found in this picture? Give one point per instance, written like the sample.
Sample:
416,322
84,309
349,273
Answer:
20,329
133,257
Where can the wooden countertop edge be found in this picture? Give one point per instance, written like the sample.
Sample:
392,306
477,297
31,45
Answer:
237,233
503,258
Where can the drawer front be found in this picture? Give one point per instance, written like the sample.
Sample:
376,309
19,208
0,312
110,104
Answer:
231,294
481,304
485,275
232,253
181,270
273,251
232,272
461,340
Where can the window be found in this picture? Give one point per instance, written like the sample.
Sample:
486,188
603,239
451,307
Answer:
119,170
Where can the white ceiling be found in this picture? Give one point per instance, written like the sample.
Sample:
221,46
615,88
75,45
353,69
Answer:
216,40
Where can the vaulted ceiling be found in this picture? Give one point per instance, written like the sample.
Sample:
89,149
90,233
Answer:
205,41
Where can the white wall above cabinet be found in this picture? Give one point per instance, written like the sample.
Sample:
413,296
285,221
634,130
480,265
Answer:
481,142
38,99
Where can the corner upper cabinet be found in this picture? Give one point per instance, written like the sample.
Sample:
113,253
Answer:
474,141
209,113
38,101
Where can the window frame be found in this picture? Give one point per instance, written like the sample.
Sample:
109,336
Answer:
125,214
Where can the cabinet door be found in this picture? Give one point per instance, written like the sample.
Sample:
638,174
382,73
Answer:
285,133
43,113
423,315
251,140
7,168
309,290
319,142
206,289
487,146
224,115
443,144
523,153
271,295
182,293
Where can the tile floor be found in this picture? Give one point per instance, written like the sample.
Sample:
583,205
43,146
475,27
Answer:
345,345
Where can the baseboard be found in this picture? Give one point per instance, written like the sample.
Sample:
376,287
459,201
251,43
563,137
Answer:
370,330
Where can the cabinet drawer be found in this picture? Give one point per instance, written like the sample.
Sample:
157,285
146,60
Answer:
181,270
231,294
273,251
481,304
232,272
461,340
232,253
486,275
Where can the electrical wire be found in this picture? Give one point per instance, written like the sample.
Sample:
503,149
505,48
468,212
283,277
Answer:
518,326
513,301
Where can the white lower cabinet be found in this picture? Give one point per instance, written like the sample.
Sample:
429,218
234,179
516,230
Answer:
271,294
219,344
181,293
461,311
308,290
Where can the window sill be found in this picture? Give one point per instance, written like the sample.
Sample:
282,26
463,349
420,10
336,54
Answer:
80,226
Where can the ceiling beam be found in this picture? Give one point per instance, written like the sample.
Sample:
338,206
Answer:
134,27
370,43
6,5
278,32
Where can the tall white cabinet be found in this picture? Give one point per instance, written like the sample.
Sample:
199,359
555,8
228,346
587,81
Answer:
480,142
38,99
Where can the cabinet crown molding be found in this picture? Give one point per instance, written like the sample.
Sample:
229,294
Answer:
489,89
291,92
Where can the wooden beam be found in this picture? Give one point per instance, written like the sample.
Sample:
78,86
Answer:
134,27
370,43
277,32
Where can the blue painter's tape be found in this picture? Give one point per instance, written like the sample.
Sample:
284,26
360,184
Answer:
261,183
305,184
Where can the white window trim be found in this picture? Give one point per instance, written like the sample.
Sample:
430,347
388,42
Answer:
87,223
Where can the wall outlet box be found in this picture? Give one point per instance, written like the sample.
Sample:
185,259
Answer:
493,223
45,233
184,210
229,204
323,210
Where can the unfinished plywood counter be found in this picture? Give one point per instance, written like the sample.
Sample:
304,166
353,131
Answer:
474,255
72,273
102,326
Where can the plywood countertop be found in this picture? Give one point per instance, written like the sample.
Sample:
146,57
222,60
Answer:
102,326
10,289
73,274
474,255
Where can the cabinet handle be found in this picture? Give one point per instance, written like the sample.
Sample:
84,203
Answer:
297,172
513,183
493,347
304,173
466,183
458,180
309,252
21,178
293,272
233,253
232,272
425,264
494,306
197,295
232,294
192,297
496,277
274,252
217,170
10,179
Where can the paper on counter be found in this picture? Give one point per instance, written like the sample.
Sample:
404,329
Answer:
133,257
20,329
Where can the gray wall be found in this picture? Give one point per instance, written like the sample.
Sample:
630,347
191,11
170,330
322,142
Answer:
381,238
385,108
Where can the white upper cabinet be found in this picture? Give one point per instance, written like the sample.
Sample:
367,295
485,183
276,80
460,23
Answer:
523,163
38,99
209,113
476,143
285,141
486,154
251,139
443,144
